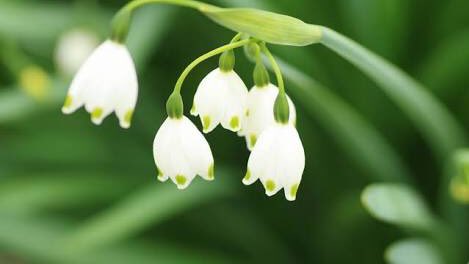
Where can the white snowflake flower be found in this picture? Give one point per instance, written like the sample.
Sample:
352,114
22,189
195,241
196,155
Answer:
106,82
220,98
278,160
259,113
181,152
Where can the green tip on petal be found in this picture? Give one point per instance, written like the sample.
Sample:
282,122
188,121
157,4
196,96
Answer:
96,113
247,176
234,123
128,116
211,172
206,123
247,112
180,179
159,173
293,190
270,185
193,110
68,101
252,140
161,176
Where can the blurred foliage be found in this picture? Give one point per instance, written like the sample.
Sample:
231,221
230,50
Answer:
71,192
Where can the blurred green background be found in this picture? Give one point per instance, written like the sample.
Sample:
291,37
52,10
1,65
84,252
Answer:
72,192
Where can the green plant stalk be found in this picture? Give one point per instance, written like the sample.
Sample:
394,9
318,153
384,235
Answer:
139,210
40,239
275,68
433,120
204,57
131,6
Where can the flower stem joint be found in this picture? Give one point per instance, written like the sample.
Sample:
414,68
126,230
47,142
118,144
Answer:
175,106
281,109
120,26
227,61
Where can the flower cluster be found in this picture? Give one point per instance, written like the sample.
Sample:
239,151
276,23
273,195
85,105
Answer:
264,115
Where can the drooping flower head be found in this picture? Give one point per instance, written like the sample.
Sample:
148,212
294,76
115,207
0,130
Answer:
220,98
106,82
258,114
180,150
277,160
278,157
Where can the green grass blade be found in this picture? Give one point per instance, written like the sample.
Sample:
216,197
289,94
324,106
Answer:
383,28
39,192
357,137
146,207
40,240
436,124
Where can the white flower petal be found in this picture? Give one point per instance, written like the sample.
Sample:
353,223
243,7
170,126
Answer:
196,146
106,82
259,112
278,160
234,101
220,97
207,101
181,152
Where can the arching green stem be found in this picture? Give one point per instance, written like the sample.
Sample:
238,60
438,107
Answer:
275,67
281,106
207,55
432,118
131,6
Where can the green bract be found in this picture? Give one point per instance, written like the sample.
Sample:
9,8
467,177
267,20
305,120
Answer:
281,109
120,26
260,75
227,61
266,26
175,105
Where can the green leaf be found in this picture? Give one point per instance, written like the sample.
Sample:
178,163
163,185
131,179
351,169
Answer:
146,207
433,119
267,26
383,29
40,192
15,104
398,204
40,240
413,251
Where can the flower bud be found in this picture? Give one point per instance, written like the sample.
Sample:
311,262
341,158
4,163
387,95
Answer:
459,185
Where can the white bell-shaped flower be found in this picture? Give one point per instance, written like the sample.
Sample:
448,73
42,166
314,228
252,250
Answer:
106,82
181,152
220,98
259,113
278,160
